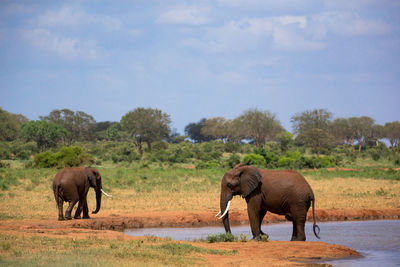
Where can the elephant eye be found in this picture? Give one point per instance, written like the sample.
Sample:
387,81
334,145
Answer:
230,185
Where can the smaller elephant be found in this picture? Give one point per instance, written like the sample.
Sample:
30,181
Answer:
72,185
281,192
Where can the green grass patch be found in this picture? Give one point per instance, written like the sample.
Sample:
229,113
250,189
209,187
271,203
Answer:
45,251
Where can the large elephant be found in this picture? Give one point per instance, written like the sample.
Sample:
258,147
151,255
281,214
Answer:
72,185
281,192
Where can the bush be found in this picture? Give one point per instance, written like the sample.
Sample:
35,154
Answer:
67,157
232,161
228,237
324,162
271,159
255,160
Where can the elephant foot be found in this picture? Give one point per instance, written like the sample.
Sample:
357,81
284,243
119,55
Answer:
68,217
298,239
61,218
77,217
86,217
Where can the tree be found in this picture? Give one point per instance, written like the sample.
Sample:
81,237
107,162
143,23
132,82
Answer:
79,125
257,125
311,128
113,132
315,138
10,125
340,130
193,130
391,132
311,119
285,139
216,127
360,128
45,134
146,125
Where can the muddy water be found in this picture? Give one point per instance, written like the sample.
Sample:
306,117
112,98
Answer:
377,241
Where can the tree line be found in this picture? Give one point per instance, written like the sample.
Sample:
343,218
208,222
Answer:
311,128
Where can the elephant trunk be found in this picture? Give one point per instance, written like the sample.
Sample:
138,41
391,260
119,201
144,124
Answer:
98,189
224,205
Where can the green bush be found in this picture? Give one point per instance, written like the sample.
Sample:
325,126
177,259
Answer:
228,237
286,163
66,157
232,161
255,160
324,162
271,159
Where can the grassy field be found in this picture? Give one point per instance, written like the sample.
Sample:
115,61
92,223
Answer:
27,194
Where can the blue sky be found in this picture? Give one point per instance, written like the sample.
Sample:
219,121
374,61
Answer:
200,59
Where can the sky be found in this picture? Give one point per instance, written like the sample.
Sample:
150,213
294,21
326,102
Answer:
201,59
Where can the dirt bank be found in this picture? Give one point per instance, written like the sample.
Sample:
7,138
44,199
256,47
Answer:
276,253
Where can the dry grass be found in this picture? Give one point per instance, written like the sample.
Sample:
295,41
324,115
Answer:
38,202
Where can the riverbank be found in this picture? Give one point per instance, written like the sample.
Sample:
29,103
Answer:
107,226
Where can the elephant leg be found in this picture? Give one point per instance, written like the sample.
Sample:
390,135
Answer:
299,221
85,210
78,210
69,209
294,232
60,209
254,218
261,217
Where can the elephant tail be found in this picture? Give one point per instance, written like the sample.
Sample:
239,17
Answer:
57,193
315,226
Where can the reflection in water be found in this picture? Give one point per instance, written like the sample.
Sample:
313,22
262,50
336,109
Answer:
377,241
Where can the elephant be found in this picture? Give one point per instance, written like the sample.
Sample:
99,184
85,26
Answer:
283,192
72,185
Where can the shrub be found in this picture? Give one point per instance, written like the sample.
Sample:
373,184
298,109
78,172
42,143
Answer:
255,160
227,237
232,161
67,157
324,162
271,159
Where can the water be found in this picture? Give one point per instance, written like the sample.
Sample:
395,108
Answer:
377,241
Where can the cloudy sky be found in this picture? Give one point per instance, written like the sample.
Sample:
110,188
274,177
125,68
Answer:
196,59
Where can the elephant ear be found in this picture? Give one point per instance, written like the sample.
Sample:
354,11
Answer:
250,178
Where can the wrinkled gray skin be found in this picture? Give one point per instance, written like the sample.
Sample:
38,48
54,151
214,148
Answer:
72,185
281,192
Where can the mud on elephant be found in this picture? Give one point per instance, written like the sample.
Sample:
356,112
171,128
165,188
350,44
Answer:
72,185
281,192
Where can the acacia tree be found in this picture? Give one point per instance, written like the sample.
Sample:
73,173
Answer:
146,125
360,128
193,130
311,128
391,132
217,128
79,124
257,125
45,134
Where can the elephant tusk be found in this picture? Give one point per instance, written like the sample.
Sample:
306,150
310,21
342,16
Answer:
226,210
105,193
218,213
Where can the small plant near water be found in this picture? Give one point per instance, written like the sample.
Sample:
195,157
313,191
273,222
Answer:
227,237
243,237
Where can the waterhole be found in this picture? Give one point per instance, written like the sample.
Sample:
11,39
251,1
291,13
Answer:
378,241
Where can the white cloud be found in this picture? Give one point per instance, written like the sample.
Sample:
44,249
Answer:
280,32
346,24
67,48
189,15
